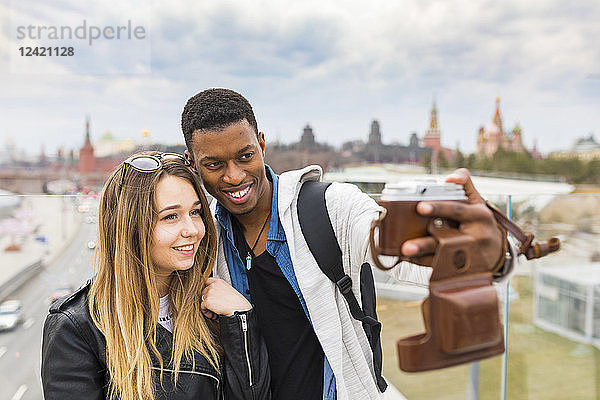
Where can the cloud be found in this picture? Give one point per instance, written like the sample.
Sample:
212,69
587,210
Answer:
336,64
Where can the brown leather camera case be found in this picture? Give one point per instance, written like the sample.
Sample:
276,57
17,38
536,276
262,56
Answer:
461,314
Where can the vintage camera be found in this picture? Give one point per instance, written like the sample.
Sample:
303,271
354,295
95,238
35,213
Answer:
461,314
400,221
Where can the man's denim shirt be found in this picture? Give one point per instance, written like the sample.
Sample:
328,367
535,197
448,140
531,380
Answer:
278,248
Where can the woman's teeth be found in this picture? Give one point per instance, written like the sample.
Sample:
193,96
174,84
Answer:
185,248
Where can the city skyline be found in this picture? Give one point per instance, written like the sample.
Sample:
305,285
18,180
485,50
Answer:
106,144
336,66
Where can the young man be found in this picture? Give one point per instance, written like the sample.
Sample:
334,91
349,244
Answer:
316,349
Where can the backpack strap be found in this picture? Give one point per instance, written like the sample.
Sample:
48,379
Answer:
320,237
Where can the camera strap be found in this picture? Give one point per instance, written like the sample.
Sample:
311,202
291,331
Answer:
527,246
320,238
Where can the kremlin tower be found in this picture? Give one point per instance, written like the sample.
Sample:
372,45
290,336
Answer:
440,155
87,161
432,138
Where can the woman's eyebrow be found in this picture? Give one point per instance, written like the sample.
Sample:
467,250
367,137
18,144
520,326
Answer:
176,206
172,207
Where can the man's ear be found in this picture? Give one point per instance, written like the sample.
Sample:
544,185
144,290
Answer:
189,158
261,142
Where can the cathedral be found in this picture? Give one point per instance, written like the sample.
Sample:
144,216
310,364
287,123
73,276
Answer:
493,137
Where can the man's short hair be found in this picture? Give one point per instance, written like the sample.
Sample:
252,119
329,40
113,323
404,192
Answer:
214,110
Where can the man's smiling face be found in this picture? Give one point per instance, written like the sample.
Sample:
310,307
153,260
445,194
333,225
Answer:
231,164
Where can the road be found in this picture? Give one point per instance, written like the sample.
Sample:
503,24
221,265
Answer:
20,349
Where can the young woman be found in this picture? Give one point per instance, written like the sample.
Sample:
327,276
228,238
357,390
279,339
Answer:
137,330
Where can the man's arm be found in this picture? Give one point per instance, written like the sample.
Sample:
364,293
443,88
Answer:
358,210
351,212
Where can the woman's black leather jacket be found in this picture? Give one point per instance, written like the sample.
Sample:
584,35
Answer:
74,359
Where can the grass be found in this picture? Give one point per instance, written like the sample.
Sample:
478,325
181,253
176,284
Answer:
541,365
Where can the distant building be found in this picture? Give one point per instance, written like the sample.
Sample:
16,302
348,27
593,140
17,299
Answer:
307,140
87,160
586,144
433,135
375,134
585,148
108,145
377,152
86,166
433,139
282,157
492,137
374,151
101,158
93,169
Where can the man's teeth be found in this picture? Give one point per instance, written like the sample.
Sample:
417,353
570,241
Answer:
240,193
185,248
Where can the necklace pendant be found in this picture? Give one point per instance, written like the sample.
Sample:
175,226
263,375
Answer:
248,262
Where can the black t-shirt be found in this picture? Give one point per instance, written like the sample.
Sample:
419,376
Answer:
295,354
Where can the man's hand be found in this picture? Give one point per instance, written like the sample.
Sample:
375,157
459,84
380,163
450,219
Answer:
220,298
474,219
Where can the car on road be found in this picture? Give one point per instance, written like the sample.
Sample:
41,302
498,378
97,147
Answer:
11,314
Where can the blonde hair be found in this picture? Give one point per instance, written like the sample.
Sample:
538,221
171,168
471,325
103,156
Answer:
124,299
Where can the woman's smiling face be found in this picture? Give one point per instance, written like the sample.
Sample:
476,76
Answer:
179,227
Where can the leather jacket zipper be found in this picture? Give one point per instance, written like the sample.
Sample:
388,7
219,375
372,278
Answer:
181,371
216,378
245,330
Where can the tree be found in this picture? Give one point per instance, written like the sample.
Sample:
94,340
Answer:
459,160
426,160
470,162
592,172
442,161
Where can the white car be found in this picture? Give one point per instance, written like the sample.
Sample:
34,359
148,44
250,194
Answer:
11,314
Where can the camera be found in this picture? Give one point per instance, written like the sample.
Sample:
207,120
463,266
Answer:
400,221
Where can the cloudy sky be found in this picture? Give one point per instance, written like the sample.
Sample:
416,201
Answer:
334,64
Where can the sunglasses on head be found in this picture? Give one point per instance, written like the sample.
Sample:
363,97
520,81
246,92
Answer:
148,163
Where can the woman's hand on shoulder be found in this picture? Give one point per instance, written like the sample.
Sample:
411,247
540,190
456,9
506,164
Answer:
220,298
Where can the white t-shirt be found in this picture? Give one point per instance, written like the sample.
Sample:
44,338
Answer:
165,318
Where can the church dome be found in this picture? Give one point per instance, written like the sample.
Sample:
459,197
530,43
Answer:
492,129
